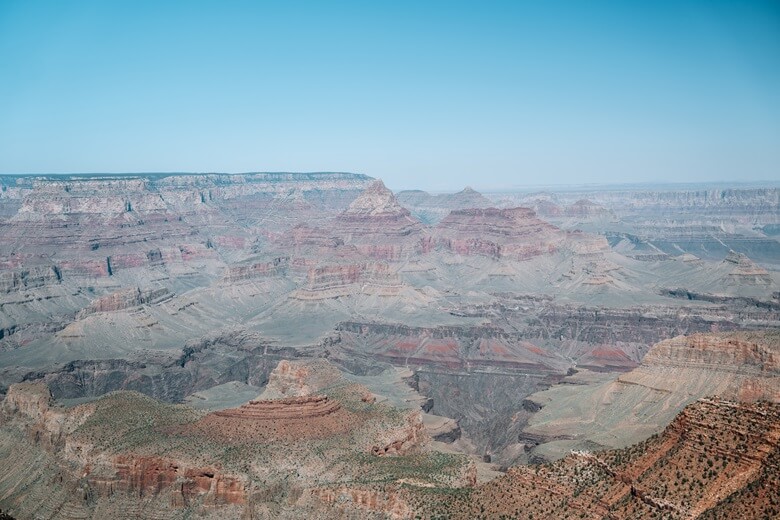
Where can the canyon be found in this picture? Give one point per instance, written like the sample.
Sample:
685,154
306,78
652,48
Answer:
277,345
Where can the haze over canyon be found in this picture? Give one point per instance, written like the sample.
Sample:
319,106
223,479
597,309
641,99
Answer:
281,345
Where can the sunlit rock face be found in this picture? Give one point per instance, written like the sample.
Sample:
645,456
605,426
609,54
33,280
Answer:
378,226
312,345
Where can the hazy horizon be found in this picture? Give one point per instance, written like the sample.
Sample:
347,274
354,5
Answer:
435,96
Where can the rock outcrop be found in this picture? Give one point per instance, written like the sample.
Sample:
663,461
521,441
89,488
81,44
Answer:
744,271
97,225
514,234
617,412
378,226
20,279
125,451
333,281
717,459
125,299
497,233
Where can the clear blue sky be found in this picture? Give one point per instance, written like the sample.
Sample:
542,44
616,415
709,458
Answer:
424,94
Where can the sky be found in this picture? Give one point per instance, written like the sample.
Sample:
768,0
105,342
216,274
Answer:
423,94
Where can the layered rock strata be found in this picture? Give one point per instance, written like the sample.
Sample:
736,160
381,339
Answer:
717,459
742,366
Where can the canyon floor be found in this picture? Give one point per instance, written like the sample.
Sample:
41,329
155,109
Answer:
275,345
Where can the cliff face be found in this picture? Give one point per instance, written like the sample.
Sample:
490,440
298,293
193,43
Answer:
332,281
18,279
378,226
94,226
126,298
451,347
251,271
739,352
674,372
744,271
125,451
715,460
513,233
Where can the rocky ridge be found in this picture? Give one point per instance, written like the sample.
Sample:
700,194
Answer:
716,459
617,412
123,446
430,209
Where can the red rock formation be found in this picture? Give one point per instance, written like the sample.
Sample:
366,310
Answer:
378,226
447,347
143,476
717,459
717,352
92,226
238,273
312,406
330,281
511,233
389,502
309,417
125,299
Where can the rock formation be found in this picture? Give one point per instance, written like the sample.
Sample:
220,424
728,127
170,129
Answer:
511,233
430,209
739,366
321,346
378,226
717,459
122,448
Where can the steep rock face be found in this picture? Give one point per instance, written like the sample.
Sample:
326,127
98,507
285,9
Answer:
20,279
615,413
739,352
717,459
216,359
126,298
378,226
513,233
151,476
95,225
125,452
250,271
31,401
119,223
508,233
452,347
332,281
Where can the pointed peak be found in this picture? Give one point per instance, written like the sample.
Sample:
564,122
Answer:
376,200
377,187
468,189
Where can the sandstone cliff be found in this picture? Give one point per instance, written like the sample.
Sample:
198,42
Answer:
717,459
674,372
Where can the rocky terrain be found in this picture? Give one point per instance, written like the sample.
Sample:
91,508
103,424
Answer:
126,454
650,220
584,411
717,459
445,331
